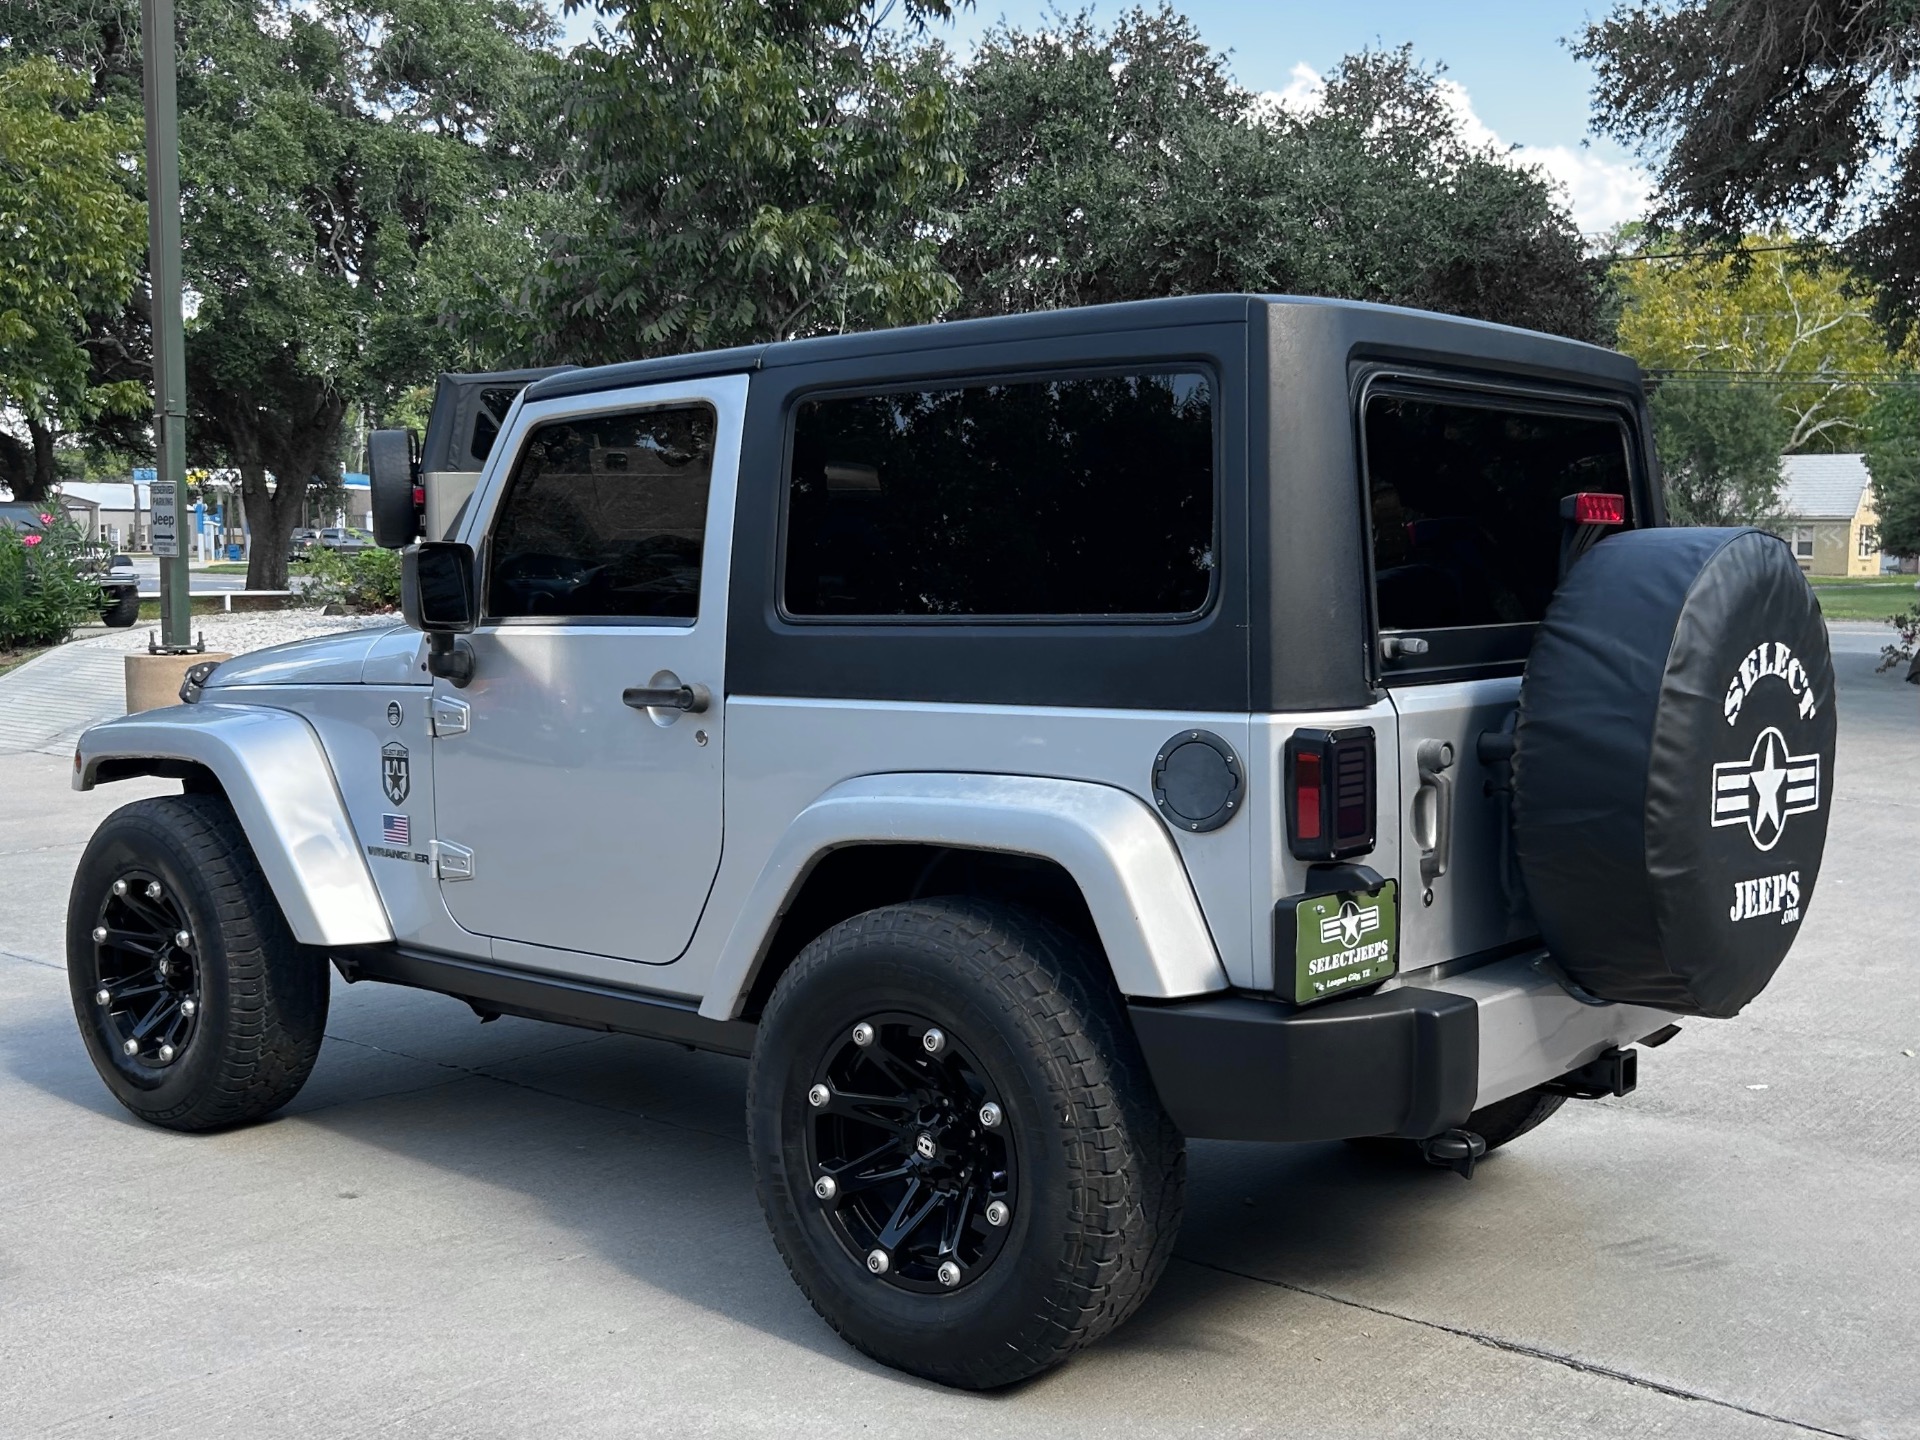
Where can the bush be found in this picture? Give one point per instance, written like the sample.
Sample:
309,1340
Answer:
368,580
43,592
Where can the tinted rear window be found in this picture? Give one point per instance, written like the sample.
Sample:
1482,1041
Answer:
1081,497
1466,505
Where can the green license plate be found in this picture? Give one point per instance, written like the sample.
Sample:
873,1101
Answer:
1343,940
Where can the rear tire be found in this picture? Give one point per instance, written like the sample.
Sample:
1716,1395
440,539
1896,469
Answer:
224,1025
1090,1171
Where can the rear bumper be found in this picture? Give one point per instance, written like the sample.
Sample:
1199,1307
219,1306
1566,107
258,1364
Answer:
1413,1060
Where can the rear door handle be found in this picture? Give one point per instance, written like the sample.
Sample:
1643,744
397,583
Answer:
1433,811
693,699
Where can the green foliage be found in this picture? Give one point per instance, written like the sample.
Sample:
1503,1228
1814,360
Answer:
1893,459
759,169
70,244
44,589
330,153
365,580
1719,446
1126,163
1760,112
1800,323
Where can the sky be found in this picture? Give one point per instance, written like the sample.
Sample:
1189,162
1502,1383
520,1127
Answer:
1512,76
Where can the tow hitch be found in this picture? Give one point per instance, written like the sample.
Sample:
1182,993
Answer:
1612,1072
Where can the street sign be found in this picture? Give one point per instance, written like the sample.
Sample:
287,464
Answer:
145,475
166,519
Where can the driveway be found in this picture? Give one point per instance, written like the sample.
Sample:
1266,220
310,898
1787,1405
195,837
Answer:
514,1229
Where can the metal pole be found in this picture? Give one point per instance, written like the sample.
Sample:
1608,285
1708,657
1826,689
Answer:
169,344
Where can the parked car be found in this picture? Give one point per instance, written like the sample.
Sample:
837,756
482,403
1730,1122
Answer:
344,539
1220,717
119,582
301,542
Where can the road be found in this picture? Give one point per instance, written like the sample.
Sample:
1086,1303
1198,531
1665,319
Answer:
199,581
511,1229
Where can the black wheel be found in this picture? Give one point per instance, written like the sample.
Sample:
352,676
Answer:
1498,1123
124,610
956,1144
198,1007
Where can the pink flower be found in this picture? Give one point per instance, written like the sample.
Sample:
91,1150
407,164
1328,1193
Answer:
31,539
46,519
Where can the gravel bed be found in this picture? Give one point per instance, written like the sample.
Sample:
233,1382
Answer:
235,633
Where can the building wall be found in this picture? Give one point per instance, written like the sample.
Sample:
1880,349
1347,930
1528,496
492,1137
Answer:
1865,527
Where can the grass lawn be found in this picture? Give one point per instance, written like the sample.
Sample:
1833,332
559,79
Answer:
13,659
225,567
1866,597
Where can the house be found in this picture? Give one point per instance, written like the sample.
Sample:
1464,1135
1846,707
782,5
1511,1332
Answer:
1827,515
118,512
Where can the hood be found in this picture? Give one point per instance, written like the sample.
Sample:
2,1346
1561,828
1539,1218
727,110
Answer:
376,655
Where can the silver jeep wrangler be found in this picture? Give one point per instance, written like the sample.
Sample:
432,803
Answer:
1030,742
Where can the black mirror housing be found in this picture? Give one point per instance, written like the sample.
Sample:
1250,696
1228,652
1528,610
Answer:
436,587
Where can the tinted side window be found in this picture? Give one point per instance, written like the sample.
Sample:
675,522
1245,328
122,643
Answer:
1073,497
1466,505
605,515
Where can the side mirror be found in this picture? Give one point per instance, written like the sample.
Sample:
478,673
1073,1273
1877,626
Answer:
436,596
392,477
436,587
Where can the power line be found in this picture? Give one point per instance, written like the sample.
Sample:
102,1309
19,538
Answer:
1727,254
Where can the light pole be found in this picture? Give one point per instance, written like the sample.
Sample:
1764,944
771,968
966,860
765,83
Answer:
169,345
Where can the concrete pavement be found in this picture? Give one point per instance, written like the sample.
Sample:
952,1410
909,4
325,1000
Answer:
516,1229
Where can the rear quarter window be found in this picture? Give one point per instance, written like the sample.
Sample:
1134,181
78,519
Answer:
1083,497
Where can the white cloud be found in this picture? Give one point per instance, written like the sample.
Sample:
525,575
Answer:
1600,193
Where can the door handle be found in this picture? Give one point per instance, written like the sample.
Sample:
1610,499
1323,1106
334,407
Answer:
1433,812
693,699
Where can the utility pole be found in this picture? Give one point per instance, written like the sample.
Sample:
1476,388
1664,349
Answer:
169,345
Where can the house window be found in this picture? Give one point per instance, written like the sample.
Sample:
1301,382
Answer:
1803,542
1869,541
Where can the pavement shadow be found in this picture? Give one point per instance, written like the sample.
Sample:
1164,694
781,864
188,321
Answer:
636,1148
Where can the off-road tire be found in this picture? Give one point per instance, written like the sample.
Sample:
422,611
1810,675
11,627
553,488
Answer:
261,996
123,611
1101,1168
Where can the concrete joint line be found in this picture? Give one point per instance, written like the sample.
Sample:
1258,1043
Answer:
29,960
1518,1347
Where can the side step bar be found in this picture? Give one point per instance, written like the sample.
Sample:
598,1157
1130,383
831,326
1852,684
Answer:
495,990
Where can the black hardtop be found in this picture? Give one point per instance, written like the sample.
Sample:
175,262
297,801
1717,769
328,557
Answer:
1345,327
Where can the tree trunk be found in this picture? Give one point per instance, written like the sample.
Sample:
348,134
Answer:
31,472
16,464
271,515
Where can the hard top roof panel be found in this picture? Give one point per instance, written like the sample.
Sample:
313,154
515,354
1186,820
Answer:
1386,326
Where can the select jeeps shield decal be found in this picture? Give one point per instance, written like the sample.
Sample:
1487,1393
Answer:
395,777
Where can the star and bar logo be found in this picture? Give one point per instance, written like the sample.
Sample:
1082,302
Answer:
1761,791
1353,921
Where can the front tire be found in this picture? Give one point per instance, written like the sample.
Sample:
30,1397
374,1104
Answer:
197,1006
1006,1188
124,610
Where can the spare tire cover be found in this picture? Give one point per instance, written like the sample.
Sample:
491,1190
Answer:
1673,765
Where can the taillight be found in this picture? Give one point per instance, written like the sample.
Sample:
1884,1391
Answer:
1330,793
1591,507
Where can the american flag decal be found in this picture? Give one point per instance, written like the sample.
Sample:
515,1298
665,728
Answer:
395,830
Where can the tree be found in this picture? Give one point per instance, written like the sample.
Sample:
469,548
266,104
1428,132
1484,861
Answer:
759,169
1121,164
70,247
1802,326
326,147
1719,445
1893,459
1758,112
